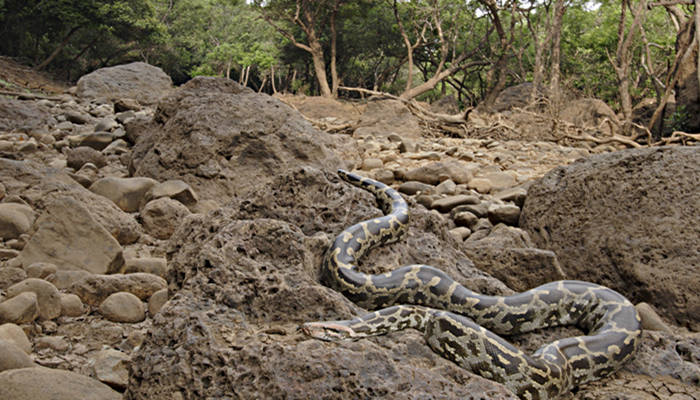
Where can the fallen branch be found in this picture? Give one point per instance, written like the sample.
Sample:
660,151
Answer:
415,108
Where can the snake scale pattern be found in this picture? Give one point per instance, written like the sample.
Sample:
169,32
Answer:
464,326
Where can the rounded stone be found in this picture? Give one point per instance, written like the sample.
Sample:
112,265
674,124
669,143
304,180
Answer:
372,163
151,265
14,334
126,193
112,367
481,185
162,216
83,155
97,140
35,383
47,295
71,305
508,214
15,219
465,218
413,187
460,233
13,357
40,270
651,319
20,309
123,307
175,189
11,275
156,302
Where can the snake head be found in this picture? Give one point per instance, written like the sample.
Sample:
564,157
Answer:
328,331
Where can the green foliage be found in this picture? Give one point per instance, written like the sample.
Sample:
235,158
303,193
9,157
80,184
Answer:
225,37
590,42
677,121
34,29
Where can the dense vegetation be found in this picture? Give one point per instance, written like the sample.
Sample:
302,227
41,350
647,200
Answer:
619,51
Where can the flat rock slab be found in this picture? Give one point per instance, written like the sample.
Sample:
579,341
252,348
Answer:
629,220
40,383
520,269
69,237
22,115
40,186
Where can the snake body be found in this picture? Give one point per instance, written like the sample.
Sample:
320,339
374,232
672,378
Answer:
463,326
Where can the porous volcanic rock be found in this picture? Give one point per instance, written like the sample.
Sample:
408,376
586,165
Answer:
140,81
629,220
245,276
234,138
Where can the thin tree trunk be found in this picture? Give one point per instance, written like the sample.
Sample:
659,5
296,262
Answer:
623,58
320,68
272,80
247,75
684,50
554,88
409,47
697,37
262,85
58,49
334,34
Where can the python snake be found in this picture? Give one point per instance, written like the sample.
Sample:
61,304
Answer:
420,297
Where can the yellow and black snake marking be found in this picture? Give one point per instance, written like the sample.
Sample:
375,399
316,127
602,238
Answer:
468,333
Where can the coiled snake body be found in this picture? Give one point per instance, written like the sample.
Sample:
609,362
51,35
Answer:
463,326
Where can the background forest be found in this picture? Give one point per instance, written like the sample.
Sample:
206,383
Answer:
626,53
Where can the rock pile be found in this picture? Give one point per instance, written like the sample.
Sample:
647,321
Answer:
165,243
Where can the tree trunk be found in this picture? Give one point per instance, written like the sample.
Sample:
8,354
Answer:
409,48
334,71
320,68
554,88
624,56
57,50
272,79
697,37
247,75
499,67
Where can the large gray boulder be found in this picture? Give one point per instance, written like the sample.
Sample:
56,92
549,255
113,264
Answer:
629,220
138,80
225,140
